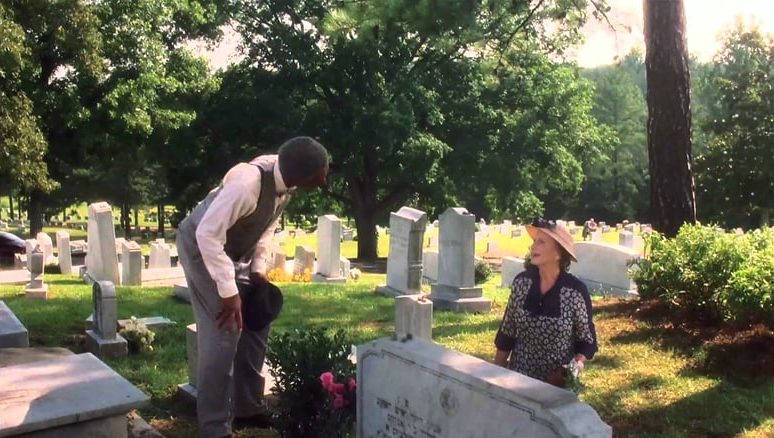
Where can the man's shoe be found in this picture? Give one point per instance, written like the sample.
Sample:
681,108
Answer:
260,421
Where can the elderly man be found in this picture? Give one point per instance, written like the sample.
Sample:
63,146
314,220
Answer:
225,239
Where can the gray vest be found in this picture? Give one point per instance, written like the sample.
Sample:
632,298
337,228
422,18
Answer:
243,236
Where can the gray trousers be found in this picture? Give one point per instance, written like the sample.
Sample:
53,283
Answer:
229,364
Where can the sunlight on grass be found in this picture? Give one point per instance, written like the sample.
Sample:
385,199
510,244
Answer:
636,385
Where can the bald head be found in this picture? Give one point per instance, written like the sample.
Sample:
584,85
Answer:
303,162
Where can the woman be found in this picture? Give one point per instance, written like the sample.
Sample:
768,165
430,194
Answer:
548,320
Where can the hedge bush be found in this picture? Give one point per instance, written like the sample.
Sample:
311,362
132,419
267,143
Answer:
297,359
711,274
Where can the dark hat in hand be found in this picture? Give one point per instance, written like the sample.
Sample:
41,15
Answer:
261,304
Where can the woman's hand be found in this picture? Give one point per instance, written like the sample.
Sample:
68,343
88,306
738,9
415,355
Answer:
581,360
501,358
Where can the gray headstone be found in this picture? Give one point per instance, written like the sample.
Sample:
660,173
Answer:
68,396
277,260
181,291
345,267
30,245
430,266
36,288
418,388
303,260
12,331
404,262
626,238
131,263
414,316
64,254
101,258
329,250
511,267
103,339
47,246
604,268
160,256
456,289
189,390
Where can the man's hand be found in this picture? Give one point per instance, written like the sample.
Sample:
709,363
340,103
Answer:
258,279
231,310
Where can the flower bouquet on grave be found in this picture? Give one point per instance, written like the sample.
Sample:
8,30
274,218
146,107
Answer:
138,336
341,403
572,381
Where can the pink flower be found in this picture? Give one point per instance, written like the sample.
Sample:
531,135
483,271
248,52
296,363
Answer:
327,380
339,402
336,388
352,383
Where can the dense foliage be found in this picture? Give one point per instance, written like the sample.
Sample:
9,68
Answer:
711,275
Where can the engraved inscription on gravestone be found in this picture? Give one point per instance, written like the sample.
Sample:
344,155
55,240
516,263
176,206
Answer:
416,388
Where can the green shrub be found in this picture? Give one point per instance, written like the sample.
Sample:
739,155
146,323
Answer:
482,272
710,274
297,360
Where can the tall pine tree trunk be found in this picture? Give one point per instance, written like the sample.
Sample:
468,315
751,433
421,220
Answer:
126,221
365,222
34,210
364,199
10,201
161,219
672,192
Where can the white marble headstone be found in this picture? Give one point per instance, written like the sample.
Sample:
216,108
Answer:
417,388
303,260
131,263
63,252
430,266
413,316
101,258
456,289
626,238
47,245
404,262
604,268
160,255
329,249
511,267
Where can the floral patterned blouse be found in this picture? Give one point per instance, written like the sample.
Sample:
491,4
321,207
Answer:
545,331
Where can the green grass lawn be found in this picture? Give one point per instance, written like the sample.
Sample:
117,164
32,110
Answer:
638,386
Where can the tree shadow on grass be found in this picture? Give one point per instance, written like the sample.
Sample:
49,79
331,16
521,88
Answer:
720,411
604,362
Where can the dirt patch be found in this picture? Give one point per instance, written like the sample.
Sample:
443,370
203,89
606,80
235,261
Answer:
743,354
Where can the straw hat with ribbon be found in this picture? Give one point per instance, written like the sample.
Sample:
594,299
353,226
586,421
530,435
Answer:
558,232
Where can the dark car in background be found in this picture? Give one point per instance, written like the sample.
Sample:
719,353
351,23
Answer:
10,244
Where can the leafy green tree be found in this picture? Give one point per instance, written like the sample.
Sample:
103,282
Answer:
617,187
734,173
153,89
21,143
376,83
59,46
